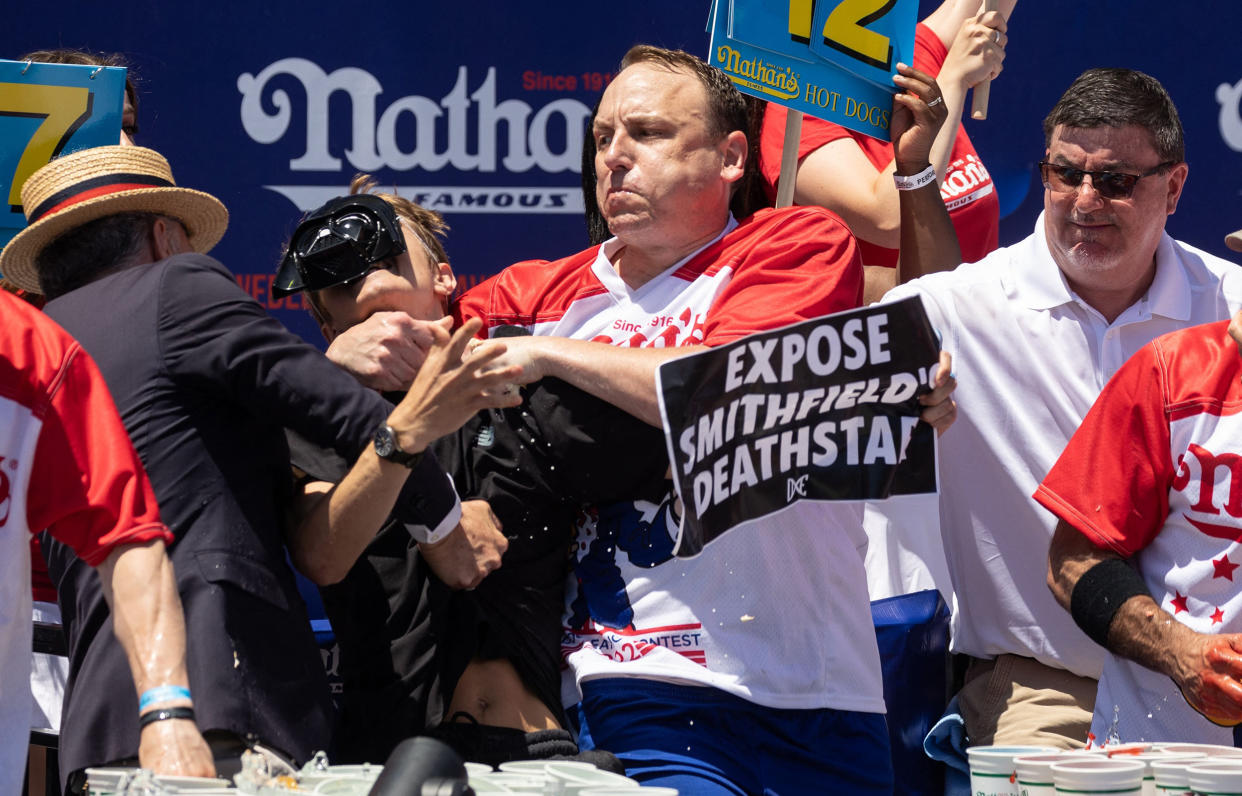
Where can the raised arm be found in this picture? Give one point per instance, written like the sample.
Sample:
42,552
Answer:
928,240
839,175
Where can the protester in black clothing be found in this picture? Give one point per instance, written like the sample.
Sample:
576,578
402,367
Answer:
412,651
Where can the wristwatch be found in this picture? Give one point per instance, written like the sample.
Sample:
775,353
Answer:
386,447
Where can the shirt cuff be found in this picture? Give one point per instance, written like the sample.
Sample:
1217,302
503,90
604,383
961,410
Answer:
428,506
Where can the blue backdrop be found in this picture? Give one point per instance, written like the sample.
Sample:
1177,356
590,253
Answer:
477,108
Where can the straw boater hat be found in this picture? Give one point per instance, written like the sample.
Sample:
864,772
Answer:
102,181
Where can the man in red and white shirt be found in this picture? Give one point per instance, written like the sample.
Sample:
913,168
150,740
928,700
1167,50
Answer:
695,672
1153,477
66,464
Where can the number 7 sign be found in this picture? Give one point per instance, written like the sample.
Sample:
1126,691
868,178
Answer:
47,110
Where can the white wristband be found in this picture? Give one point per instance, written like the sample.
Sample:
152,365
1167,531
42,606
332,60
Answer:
916,181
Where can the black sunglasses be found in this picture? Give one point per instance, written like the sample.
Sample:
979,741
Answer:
1109,184
342,241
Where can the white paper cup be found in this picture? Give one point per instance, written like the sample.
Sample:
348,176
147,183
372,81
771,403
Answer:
992,772
652,791
475,769
1206,749
1170,777
1112,776
540,767
524,782
573,781
1150,758
1034,772
1219,777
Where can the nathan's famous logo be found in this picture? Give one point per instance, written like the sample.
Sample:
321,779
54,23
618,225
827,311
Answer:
758,74
784,83
468,131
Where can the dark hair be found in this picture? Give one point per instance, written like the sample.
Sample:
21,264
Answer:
1120,98
65,55
86,253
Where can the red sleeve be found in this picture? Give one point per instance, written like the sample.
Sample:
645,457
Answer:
929,50
803,264
87,484
1112,481
474,303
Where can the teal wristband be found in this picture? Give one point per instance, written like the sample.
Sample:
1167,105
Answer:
163,693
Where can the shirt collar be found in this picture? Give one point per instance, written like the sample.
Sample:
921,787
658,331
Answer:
1042,285
608,249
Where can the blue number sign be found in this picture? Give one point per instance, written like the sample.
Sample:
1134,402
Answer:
829,58
47,110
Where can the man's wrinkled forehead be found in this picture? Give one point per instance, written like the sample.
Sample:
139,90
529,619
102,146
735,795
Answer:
1122,147
652,88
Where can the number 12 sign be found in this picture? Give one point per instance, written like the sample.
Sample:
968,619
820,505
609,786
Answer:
829,58
47,110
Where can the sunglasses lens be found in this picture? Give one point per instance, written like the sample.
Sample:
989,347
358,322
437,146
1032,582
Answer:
1113,185
1108,184
1062,178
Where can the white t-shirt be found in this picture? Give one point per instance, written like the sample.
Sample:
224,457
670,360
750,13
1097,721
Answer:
776,610
1030,358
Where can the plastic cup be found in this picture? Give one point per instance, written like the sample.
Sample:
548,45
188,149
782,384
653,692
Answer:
652,791
1035,772
992,771
1220,777
1112,776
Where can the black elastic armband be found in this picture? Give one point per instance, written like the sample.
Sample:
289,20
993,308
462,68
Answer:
163,714
1100,593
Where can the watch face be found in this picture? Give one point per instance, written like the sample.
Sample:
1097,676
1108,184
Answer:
384,442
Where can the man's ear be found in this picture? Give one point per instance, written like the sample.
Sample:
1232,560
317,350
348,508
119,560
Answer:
734,149
1176,181
168,237
444,282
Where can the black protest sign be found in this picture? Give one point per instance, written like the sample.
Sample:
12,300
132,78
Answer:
826,409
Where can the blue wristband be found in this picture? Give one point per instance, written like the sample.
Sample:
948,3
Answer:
163,693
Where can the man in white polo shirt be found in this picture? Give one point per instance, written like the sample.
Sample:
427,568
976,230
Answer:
1036,329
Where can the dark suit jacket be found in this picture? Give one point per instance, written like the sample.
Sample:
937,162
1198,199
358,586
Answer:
205,381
